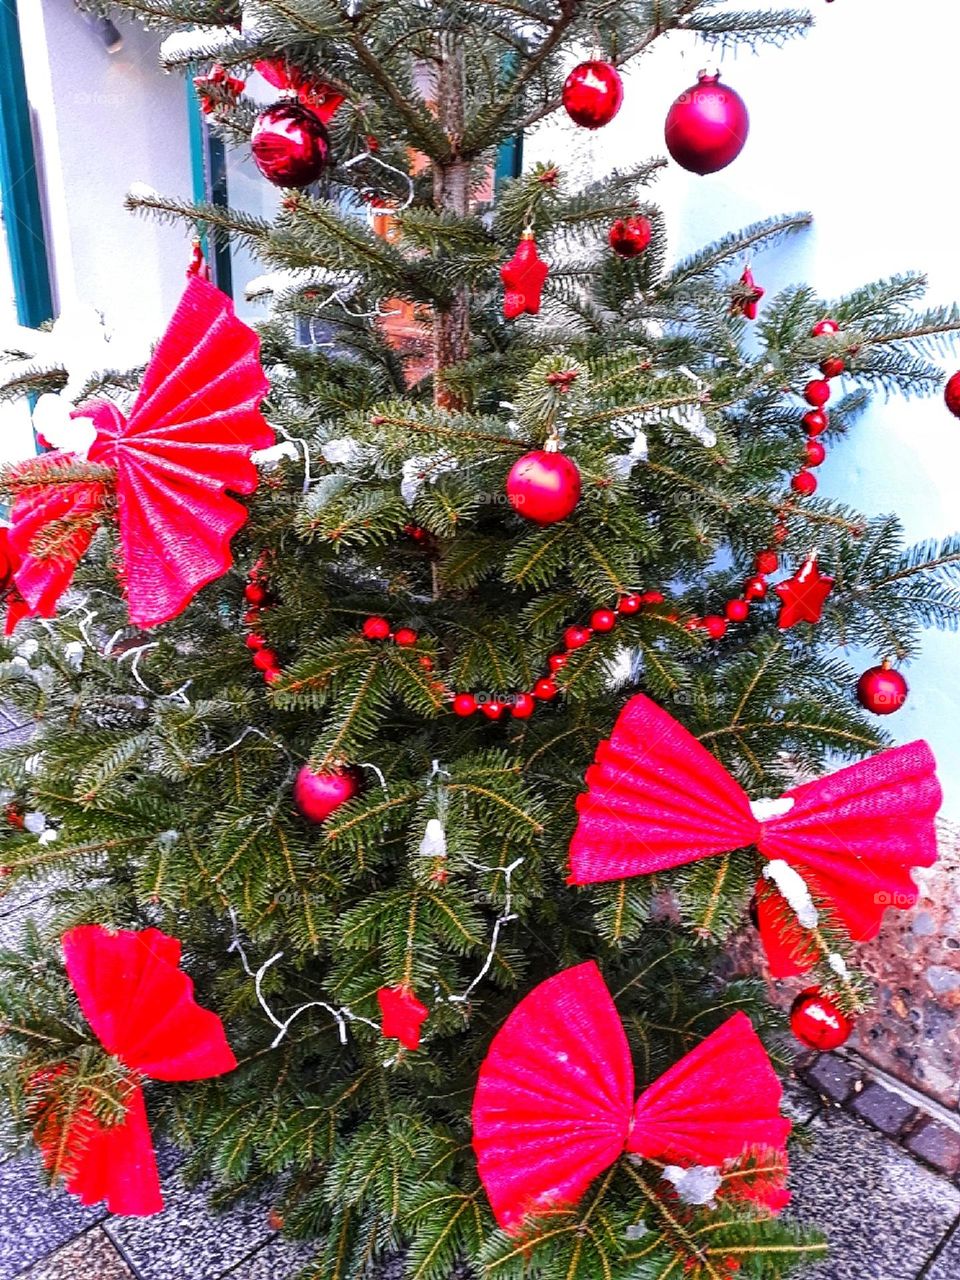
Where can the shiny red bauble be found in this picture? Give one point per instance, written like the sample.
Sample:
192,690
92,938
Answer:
804,483
290,145
576,637
951,395
754,588
630,604
543,486
603,620
832,367
715,626
593,93
653,597
253,593
265,658
825,326
882,690
814,453
737,610
817,393
545,689
767,562
557,661
629,237
523,705
464,704
316,795
816,422
255,641
707,126
493,709
405,637
817,1022
376,629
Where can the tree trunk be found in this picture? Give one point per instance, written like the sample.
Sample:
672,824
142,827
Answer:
451,192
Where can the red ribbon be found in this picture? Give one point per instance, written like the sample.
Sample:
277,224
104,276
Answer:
554,1105
657,799
140,1006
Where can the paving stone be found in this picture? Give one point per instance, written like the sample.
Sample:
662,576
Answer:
800,1104
35,1220
883,1213
937,1144
188,1240
947,1264
279,1259
835,1077
91,1257
886,1111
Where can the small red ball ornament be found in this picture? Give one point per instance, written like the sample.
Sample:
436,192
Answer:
817,393
832,367
951,395
545,689
737,610
804,483
316,795
814,453
405,637
376,629
715,626
272,675
576,637
593,94
767,562
557,661
464,704
653,597
629,237
255,641
253,593
493,709
523,705
816,422
543,486
754,588
825,326
630,604
603,620
290,145
707,126
882,690
817,1022
263,659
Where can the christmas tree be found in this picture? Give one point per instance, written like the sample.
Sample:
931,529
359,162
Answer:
333,739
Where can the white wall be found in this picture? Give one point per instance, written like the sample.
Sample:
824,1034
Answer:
857,123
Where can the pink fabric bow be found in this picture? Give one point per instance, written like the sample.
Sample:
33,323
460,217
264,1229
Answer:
188,439
554,1105
658,799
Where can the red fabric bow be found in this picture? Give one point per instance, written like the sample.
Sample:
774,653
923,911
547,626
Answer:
188,439
322,98
658,799
140,1006
554,1106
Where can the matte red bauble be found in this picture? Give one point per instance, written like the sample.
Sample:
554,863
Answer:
630,236
804,483
882,690
952,395
543,486
593,93
814,453
290,145
817,1022
316,795
707,126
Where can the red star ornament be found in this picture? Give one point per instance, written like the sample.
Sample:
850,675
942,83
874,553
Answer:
402,1015
802,596
524,277
747,306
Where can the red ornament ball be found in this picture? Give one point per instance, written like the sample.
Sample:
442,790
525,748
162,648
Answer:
272,675
754,588
817,1022
265,658
290,145
707,126
630,604
523,705
882,690
767,562
543,486
715,626
814,453
316,795
253,593
816,422
629,237
576,637
737,610
593,94
603,620
817,393
545,689
376,629
493,709
653,597
951,395
255,641
832,367
804,483
825,326
557,661
405,637
464,704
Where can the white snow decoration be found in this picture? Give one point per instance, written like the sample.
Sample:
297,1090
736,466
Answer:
52,420
342,452
142,191
35,823
765,808
196,45
623,464
697,1185
434,842
420,469
694,421
284,282
20,663
48,836
167,839
285,449
794,888
73,652
28,648
839,966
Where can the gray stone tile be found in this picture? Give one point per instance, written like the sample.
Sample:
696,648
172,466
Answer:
883,1213
835,1077
91,1257
35,1221
800,1104
885,1110
947,1264
188,1240
279,1259
937,1145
